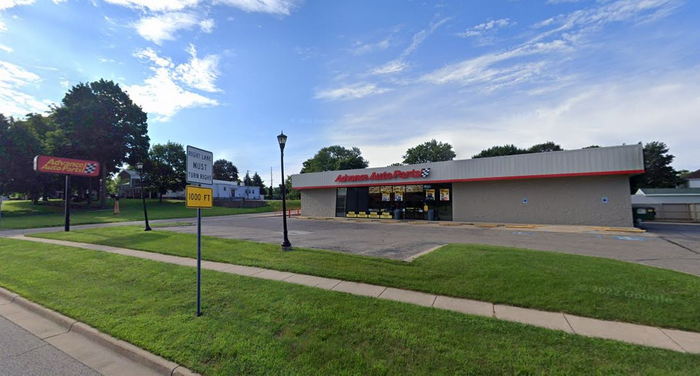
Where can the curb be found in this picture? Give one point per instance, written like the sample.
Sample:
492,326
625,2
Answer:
126,349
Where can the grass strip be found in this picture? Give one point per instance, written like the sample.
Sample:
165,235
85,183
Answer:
582,285
257,327
23,214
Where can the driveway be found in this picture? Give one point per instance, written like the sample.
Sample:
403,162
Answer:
666,246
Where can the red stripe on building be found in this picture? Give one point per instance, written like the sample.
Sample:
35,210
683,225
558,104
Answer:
520,177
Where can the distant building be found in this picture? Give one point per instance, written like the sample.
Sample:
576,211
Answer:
131,188
694,179
675,204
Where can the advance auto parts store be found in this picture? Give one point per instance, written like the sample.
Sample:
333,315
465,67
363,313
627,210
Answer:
574,187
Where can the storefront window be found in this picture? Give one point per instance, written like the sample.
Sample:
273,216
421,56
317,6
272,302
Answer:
413,201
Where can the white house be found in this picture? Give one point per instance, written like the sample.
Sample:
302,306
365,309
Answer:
694,179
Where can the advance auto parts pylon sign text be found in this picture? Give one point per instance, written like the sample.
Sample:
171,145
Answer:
66,166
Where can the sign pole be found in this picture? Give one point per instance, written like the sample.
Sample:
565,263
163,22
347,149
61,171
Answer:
66,196
199,262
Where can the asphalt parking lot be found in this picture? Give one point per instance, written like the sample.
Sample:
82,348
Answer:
668,246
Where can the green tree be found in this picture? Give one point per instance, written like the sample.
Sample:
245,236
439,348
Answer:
99,121
257,182
333,158
165,168
247,181
20,142
497,151
225,170
544,147
430,151
658,171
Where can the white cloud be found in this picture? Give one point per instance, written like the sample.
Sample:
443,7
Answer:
394,66
399,64
156,5
13,101
164,26
5,48
199,73
354,91
163,93
282,7
207,25
360,48
59,1
566,34
162,96
484,68
7,4
480,29
3,27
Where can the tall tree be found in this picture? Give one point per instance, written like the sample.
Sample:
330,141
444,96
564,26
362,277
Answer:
99,121
544,147
165,168
257,182
430,151
225,170
20,141
333,158
247,181
658,171
496,151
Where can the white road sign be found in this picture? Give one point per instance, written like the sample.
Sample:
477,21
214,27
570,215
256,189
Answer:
200,165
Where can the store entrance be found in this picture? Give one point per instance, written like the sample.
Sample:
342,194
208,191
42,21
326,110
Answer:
412,201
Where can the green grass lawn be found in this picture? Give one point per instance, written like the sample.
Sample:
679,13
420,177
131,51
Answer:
587,286
253,326
23,214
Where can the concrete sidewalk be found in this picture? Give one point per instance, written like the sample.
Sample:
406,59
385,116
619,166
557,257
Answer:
676,340
39,341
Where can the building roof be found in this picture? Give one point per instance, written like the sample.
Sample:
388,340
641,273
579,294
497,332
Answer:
694,175
615,160
668,192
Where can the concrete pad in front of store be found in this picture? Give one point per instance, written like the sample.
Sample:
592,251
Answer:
549,320
356,288
407,296
626,332
400,241
472,307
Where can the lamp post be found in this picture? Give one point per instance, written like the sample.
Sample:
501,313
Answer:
139,166
286,245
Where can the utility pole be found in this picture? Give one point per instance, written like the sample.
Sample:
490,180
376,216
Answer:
272,186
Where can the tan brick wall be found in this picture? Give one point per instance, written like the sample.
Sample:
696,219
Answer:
572,201
318,202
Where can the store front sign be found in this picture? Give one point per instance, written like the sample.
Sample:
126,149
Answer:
398,174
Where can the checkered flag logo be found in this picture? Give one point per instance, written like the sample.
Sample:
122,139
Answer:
90,168
424,172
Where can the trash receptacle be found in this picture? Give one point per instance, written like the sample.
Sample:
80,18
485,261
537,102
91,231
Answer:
643,214
397,213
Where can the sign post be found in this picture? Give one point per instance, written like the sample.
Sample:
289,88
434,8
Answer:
199,171
67,167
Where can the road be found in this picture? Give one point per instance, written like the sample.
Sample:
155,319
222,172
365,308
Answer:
22,353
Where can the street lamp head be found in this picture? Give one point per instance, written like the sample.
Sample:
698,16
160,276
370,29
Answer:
139,166
282,139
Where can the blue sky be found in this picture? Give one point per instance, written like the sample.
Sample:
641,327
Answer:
228,75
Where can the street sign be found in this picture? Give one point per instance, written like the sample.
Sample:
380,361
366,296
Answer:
66,166
199,197
200,166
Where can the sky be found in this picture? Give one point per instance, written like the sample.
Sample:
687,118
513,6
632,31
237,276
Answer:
229,75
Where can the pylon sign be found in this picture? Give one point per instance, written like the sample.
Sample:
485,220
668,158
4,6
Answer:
66,166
